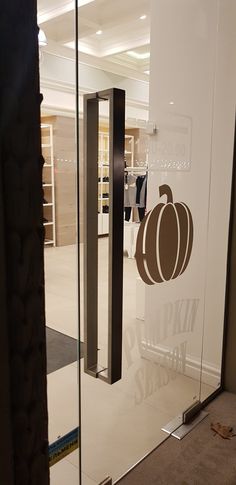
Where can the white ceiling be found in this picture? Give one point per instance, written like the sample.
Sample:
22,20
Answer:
119,20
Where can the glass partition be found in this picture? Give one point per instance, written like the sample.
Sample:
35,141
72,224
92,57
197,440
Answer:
56,20
128,229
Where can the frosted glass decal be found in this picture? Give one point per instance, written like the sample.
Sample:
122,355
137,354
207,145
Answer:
164,241
171,149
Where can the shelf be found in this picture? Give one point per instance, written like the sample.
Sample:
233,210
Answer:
104,171
48,182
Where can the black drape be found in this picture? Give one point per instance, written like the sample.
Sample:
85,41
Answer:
23,400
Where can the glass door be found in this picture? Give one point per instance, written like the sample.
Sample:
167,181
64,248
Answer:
143,241
135,324
142,123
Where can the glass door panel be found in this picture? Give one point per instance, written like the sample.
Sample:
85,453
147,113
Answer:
126,404
156,386
59,149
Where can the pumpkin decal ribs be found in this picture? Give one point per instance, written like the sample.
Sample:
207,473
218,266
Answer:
164,241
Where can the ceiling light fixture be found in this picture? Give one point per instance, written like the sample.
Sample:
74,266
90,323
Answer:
143,17
147,72
42,38
137,55
99,32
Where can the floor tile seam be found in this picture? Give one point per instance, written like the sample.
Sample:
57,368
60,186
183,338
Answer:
77,468
70,462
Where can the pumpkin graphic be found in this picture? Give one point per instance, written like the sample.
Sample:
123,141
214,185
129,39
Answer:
164,240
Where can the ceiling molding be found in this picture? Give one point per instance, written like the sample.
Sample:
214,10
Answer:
57,85
104,50
58,50
70,88
104,64
48,109
47,15
113,67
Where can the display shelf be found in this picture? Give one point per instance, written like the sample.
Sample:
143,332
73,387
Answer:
129,150
103,171
49,185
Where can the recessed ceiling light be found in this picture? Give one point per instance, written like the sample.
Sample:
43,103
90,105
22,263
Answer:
99,32
137,55
143,17
171,102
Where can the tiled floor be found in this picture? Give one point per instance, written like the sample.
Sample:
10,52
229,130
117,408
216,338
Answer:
120,423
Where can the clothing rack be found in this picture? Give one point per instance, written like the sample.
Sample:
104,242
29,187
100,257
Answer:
136,169
135,190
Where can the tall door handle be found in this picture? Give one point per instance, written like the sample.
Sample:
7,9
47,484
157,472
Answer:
116,98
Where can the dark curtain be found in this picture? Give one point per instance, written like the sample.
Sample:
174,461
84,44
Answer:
23,397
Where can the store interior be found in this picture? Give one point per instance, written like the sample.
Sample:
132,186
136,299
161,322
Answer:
157,385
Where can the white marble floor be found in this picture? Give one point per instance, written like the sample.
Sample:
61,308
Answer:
120,423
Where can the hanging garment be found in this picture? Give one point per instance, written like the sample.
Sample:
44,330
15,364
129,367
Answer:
141,213
127,213
130,190
141,194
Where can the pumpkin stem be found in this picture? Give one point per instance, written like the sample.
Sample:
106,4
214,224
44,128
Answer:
166,190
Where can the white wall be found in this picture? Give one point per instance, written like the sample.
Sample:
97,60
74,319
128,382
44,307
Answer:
193,47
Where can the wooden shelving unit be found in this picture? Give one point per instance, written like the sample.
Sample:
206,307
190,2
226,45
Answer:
103,183
103,177
48,185
129,150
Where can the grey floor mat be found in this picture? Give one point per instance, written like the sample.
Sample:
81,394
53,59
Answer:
201,458
61,350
